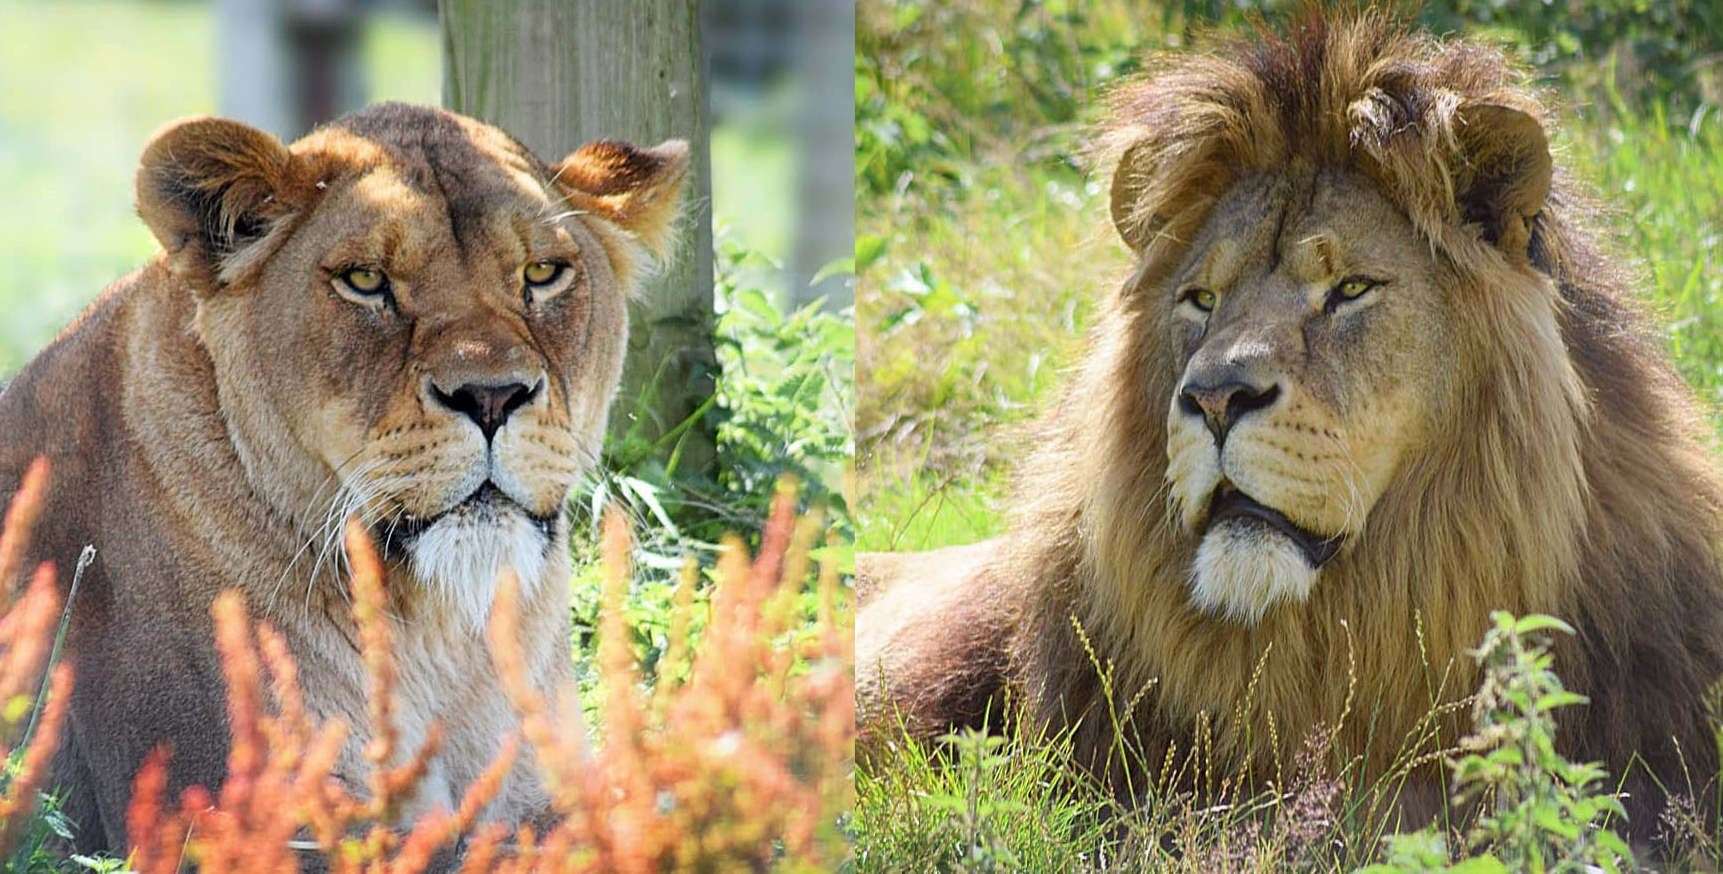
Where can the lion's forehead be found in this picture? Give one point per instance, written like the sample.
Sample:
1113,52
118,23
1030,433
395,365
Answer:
1300,219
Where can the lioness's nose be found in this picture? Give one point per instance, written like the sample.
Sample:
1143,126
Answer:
1224,402
487,405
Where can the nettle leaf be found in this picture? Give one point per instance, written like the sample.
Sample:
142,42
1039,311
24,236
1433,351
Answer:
1539,622
1479,865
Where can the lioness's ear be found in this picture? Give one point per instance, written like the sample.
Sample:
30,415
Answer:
1506,174
639,189
208,187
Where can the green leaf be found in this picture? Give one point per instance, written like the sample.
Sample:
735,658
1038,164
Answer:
1550,820
1485,864
834,267
1560,698
869,249
1540,622
647,494
1612,842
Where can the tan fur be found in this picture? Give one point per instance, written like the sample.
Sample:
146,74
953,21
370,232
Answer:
215,416
1496,428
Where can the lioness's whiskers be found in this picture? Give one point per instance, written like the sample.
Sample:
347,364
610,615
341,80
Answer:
333,478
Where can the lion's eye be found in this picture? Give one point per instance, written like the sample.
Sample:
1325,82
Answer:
1201,298
365,280
1353,287
1349,289
542,272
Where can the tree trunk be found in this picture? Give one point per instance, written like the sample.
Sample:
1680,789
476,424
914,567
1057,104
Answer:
558,73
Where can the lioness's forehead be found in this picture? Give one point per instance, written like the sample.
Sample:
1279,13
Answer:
431,138
425,175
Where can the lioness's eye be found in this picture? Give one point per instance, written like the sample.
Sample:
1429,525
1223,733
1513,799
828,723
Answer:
364,281
542,272
1201,298
545,279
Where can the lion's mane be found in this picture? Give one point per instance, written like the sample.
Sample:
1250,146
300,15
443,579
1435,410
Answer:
1575,479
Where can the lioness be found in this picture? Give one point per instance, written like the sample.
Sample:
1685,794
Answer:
404,316
1369,380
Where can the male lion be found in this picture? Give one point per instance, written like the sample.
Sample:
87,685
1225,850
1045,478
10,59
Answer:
404,316
1370,380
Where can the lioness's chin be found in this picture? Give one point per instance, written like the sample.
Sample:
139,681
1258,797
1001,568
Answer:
461,556
1242,570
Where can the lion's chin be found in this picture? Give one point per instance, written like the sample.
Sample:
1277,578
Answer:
1243,570
461,557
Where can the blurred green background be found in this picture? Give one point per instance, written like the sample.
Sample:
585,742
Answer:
84,84
982,240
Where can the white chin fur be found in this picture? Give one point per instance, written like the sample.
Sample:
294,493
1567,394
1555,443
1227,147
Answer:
1243,570
461,557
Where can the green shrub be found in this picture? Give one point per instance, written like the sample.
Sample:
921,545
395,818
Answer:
1539,811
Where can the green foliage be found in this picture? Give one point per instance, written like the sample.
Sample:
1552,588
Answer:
1544,812
781,407
786,389
1662,181
1668,49
1541,812
976,803
780,412
970,818
35,851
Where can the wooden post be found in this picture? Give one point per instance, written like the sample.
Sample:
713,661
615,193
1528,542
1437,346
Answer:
558,73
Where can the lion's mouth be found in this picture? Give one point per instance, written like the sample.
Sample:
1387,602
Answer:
487,500
1231,505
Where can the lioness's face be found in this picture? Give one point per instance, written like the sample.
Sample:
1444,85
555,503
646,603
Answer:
1311,335
441,327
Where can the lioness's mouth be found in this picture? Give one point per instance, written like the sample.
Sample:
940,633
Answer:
1231,505
488,497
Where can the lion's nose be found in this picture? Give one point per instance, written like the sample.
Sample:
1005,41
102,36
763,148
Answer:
1225,402
489,406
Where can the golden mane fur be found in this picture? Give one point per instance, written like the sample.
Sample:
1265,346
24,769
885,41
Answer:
1574,479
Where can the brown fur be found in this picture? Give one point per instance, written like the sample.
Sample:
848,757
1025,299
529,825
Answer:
1558,464
201,415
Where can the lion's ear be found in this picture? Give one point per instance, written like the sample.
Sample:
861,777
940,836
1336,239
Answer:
1506,173
207,188
1130,179
638,189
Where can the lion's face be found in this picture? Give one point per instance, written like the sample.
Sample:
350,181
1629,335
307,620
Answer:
441,329
1310,331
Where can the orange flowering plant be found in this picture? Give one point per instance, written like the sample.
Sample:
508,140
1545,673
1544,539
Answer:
739,757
